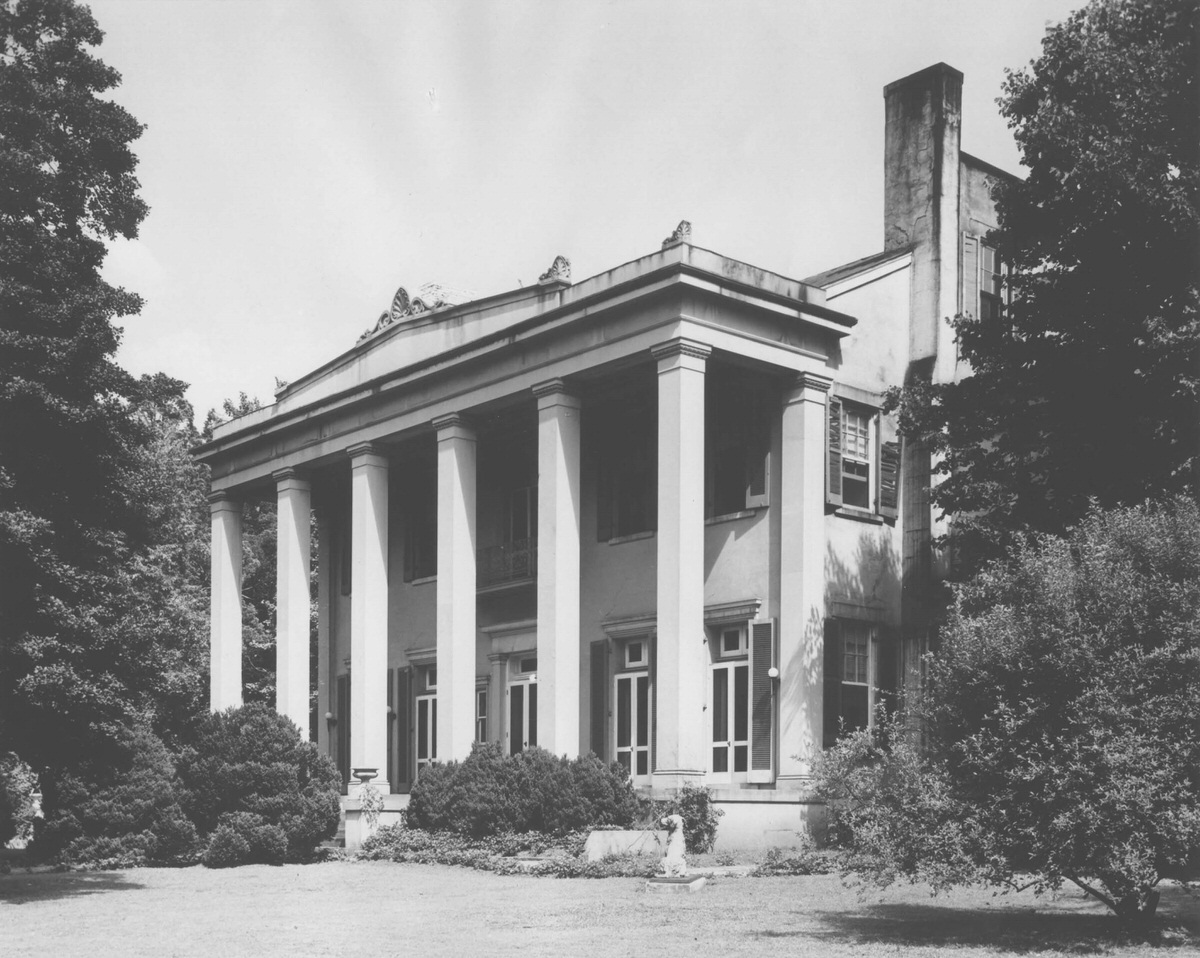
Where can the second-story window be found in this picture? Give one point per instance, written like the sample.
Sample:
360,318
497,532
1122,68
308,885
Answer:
627,451
420,526
991,284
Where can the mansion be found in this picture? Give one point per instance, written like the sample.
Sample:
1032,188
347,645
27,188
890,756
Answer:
657,514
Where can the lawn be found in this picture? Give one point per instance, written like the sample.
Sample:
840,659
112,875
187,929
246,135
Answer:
381,908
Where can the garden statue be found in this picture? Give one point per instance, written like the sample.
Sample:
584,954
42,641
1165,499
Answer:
673,863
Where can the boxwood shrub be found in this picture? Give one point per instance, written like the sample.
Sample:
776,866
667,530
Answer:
120,811
248,777
489,793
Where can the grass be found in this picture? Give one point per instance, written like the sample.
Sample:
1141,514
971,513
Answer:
381,908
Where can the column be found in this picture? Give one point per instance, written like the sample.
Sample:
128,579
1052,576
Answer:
558,569
802,577
681,752
225,630
368,610
292,568
455,587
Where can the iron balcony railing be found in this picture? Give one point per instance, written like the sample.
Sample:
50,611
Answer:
508,562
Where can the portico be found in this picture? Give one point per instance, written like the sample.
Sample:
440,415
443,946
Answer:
490,507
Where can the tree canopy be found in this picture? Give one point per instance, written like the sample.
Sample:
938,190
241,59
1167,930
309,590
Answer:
98,626
1086,387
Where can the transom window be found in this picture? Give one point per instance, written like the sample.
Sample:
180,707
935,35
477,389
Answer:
635,654
733,642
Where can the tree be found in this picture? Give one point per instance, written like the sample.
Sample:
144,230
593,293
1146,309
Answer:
1062,721
98,498
1087,387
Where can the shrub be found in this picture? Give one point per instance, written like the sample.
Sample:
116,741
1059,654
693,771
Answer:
121,811
694,804
489,793
1062,724
243,838
252,760
398,843
17,786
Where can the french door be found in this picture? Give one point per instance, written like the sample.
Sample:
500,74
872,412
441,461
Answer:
633,724
522,716
731,721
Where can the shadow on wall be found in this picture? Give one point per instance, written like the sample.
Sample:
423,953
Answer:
867,586
869,581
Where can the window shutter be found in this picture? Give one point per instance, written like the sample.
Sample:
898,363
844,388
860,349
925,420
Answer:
833,483
889,479
970,276
832,707
599,703
343,728
403,725
762,699
652,652
759,468
886,677
390,676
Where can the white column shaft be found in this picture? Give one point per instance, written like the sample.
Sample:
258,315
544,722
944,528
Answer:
369,611
455,588
802,577
293,545
558,570
325,664
680,672
225,669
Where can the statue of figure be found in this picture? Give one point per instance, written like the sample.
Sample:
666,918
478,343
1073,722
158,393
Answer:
673,863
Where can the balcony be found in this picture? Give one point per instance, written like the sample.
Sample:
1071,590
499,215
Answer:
508,563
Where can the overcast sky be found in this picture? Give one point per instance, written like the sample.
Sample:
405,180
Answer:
304,159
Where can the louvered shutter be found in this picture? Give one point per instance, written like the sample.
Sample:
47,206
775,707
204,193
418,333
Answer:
343,728
762,698
887,678
970,277
833,482
889,479
403,725
599,703
653,654
390,677
832,705
759,469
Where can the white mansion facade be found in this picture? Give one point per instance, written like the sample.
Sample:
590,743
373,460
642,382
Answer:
656,514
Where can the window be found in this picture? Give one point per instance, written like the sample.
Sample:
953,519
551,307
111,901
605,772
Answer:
859,675
522,513
991,284
522,705
737,439
627,451
633,714
733,641
420,505
856,458
741,702
863,473
481,705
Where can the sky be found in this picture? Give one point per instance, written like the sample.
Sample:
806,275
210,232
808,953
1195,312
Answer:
302,160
